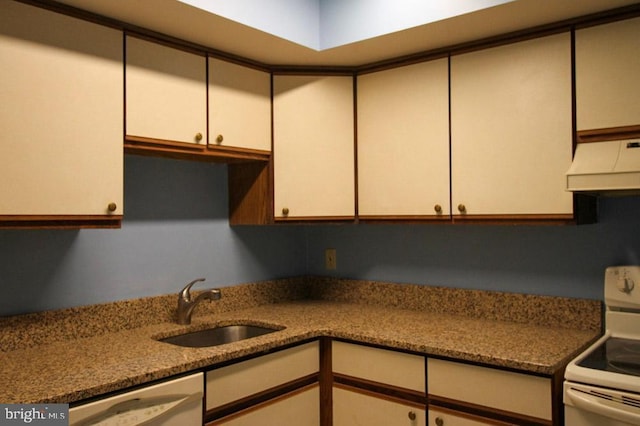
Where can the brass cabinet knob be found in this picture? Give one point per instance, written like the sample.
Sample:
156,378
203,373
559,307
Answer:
439,421
412,415
198,137
112,207
462,208
285,211
438,208
220,138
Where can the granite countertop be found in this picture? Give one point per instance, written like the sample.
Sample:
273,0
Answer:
72,369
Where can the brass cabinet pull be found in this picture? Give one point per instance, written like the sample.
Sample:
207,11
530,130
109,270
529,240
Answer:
439,421
220,138
198,137
438,208
462,208
112,207
412,415
285,211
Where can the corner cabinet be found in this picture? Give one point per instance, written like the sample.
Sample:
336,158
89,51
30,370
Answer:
511,131
276,389
166,94
607,90
61,84
314,148
403,142
373,386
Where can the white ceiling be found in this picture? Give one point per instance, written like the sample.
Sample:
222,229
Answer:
178,19
324,24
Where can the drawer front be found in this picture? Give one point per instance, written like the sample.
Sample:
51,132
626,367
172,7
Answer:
228,384
298,408
504,390
379,365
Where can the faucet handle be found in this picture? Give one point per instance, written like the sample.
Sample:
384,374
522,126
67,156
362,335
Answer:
185,293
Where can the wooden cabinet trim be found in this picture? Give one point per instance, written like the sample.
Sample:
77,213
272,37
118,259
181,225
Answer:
421,405
59,222
371,387
608,134
326,382
551,219
249,188
186,151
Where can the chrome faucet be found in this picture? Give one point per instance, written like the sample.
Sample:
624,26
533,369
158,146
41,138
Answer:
186,304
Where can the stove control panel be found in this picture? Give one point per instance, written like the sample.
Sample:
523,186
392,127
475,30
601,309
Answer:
622,287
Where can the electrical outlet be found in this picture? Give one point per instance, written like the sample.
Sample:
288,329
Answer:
330,260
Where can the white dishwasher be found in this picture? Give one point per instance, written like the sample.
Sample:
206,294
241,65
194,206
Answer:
174,402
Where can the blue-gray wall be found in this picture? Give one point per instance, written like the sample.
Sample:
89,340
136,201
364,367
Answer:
548,260
176,229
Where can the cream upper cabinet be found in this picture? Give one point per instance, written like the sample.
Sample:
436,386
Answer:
61,84
403,141
607,69
511,129
166,93
314,169
239,106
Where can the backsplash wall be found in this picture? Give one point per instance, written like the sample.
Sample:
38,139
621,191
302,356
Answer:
176,230
564,261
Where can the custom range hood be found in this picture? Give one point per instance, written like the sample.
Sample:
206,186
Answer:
606,168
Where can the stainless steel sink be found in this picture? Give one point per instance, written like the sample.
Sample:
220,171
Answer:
218,335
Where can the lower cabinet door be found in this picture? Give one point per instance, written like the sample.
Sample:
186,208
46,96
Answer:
300,408
445,417
353,408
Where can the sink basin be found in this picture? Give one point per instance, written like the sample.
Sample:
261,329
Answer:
218,336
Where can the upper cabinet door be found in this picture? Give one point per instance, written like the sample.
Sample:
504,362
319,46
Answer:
314,168
166,93
607,70
239,106
61,85
403,142
511,129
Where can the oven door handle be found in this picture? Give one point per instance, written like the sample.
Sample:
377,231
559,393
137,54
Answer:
604,406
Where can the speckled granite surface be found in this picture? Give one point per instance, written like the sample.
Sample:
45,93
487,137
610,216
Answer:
70,366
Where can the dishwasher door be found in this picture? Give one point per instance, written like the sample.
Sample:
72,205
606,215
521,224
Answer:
174,402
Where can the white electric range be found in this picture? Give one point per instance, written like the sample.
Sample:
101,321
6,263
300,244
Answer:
602,385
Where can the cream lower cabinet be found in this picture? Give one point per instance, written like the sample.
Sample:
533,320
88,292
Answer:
607,69
373,386
504,396
352,407
61,84
313,147
166,94
273,388
403,142
295,408
511,130
445,417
